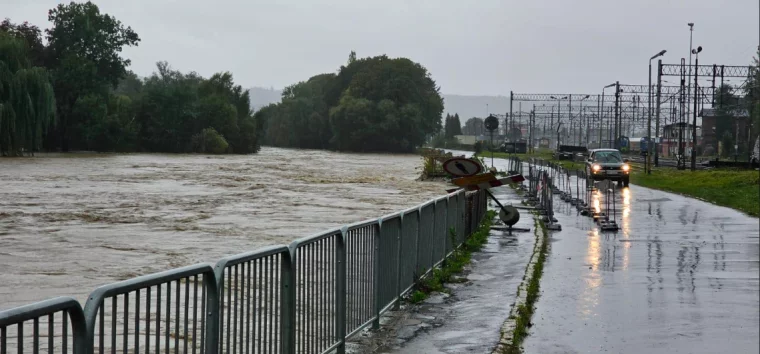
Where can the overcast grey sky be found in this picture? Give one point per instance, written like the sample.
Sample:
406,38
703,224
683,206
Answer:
475,47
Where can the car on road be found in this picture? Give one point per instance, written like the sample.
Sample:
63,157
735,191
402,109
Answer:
608,164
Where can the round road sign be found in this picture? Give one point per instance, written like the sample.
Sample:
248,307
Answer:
462,167
491,123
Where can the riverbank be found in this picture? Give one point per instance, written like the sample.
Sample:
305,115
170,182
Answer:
735,189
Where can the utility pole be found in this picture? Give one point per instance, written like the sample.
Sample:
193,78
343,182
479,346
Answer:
532,127
570,118
511,98
657,115
688,81
694,128
617,116
682,116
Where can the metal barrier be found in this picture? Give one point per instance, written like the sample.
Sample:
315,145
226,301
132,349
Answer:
253,289
62,336
308,297
190,319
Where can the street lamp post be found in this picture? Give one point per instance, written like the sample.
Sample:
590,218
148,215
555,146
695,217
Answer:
648,166
580,120
559,114
694,122
601,109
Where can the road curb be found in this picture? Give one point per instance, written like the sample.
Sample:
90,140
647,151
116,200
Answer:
505,344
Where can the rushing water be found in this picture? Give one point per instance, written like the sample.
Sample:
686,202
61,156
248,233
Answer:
69,223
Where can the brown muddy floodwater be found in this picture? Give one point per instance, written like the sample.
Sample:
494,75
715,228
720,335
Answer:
70,223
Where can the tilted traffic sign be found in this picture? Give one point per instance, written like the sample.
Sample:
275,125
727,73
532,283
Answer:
495,183
472,180
462,167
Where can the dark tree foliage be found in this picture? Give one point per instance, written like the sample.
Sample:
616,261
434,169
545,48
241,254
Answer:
177,111
83,54
372,104
27,103
100,105
452,126
32,37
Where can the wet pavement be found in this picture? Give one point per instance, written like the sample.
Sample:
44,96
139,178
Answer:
470,319
680,276
70,223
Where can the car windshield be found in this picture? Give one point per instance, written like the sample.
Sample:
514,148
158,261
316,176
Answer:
608,156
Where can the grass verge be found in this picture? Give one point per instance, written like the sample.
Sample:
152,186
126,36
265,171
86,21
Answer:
455,263
515,328
525,310
735,189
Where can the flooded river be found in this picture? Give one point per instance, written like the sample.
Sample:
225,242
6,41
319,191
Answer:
69,223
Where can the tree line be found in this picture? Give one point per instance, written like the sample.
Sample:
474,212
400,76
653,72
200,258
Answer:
73,92
371,104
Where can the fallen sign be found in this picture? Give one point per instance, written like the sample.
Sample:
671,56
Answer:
494,183
472,180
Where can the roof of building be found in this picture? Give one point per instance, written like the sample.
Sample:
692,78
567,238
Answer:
712,112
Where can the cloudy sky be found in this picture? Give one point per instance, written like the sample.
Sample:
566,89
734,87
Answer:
475,47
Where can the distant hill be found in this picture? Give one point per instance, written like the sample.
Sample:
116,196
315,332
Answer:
466,106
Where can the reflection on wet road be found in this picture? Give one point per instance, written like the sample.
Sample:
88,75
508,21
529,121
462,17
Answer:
69,223
680,276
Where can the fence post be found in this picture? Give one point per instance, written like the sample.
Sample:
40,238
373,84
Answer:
340,289
417,254
446,230
376,276
213,306
397,305
288,302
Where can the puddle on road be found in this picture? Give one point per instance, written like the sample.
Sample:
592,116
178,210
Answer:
69,223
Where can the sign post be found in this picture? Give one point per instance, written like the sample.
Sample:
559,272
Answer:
491,123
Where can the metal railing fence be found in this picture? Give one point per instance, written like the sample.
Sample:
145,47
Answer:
307,297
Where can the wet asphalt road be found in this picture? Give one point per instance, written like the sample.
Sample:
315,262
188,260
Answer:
680,276
470,320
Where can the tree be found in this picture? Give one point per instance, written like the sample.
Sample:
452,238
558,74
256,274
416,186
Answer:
452,126
27,103
457,124
473,126
385,105
83,55
32,37
175,108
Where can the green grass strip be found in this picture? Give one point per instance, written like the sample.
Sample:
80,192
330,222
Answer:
735,189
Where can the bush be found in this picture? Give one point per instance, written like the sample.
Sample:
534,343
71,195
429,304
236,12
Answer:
209,141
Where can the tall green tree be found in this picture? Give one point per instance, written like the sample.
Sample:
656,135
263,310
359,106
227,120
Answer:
453,126
32,37
177,111
83,54
27,103
457,128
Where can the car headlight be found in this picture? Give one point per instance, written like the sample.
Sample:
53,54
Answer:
626,168
596,168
